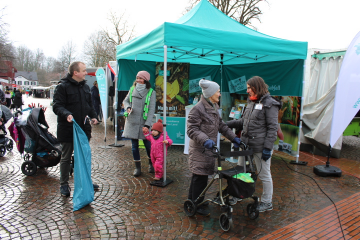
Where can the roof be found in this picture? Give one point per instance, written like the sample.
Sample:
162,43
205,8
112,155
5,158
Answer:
32,76
205,35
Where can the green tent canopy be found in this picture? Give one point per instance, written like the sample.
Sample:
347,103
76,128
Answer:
207,36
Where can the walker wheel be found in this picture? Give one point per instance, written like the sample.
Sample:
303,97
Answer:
28,168
226,223
189,208
2,151
252,211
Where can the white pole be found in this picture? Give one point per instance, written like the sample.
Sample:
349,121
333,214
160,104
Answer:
301,112
115,100
164,106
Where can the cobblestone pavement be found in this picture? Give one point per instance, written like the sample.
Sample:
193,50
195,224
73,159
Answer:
126,207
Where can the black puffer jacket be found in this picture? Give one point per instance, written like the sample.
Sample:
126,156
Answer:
18,99
72,98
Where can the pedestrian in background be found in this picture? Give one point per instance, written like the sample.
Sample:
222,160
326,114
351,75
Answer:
2,97
157,141
17,100
8,97
203,125
139,106
95,96
259,125
72,100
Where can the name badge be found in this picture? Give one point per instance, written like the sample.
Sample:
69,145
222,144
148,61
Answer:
258,106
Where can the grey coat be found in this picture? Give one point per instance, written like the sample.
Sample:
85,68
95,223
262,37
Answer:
204,122
259,127
135,121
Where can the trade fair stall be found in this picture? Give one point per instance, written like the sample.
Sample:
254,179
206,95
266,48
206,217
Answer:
205,43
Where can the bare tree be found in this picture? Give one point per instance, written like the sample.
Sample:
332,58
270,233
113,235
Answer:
67,54
97,50
39,59
25,60
7,50
243,11
100,48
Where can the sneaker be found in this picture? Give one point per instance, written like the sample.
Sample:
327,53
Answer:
96,187
203,211
234,200
65,190
265,207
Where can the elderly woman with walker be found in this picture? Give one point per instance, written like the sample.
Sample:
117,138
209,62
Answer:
203,125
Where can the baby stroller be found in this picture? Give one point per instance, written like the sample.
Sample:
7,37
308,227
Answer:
41,147
236,188
5,142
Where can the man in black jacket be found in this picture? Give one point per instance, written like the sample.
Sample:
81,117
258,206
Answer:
72,100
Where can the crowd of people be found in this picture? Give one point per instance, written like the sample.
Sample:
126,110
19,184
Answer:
259,126
11,99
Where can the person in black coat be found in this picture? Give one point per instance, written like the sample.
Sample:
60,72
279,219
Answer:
17,100
72,100
95,96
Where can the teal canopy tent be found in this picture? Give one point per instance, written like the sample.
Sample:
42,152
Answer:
215,45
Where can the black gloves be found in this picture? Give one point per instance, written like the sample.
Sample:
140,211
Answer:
266,154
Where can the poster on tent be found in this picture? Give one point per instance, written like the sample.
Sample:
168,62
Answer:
195,90
177,88
237,85
289,120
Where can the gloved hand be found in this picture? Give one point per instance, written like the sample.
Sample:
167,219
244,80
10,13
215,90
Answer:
266,154
236,141
209,144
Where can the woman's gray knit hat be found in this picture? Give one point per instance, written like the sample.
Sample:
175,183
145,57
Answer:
209,88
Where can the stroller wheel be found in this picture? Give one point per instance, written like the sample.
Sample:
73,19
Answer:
2,151
226,223
28,168
189,208
252,211
10,145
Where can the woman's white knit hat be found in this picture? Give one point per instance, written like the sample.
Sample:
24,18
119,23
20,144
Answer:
209,88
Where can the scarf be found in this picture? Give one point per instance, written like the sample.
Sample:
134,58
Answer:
156,137
253,98
139,87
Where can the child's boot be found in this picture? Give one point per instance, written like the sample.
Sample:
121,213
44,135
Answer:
137,171
151,167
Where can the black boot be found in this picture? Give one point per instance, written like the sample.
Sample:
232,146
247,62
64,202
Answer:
137,171
151,167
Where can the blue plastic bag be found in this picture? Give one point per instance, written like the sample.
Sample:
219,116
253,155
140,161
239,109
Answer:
83,186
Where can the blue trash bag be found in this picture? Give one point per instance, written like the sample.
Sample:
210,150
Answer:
83,186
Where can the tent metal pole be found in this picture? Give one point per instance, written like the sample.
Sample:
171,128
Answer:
300,121
164,105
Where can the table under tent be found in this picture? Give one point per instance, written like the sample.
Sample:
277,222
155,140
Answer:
217,46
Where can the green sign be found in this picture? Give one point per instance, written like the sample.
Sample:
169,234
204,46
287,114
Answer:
175,128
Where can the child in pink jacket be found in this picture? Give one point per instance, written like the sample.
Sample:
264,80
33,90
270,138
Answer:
157,147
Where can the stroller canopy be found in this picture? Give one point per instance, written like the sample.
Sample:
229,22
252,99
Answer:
5,113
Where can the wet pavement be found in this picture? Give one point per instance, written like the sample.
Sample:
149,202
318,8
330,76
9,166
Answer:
126,207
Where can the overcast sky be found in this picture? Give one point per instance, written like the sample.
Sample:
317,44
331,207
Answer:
49,25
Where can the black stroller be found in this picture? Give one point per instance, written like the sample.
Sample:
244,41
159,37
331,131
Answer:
5,142
236,188
41,147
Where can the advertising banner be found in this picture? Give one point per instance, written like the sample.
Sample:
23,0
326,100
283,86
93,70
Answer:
347,96
289,120
177,88
237,85
102,84
175,128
